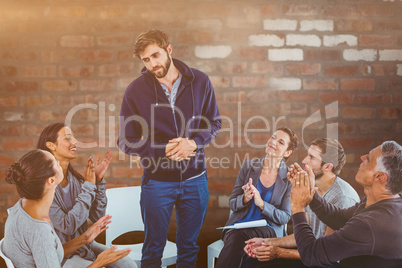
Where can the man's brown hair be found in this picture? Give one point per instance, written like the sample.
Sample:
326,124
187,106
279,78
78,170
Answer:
150,37
332,152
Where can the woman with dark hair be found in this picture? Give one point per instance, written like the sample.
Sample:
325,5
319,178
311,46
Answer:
78,197
30,240
261,191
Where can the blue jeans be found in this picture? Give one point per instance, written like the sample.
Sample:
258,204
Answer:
190,199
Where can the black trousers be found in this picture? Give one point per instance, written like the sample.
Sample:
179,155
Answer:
234,243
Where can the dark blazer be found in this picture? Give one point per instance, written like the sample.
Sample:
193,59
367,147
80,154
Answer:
277,211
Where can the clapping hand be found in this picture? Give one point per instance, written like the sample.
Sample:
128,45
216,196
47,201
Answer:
89,171
97,228
302,193
101,168
248,191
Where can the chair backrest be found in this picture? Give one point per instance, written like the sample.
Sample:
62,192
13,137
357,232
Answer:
7,260
123,204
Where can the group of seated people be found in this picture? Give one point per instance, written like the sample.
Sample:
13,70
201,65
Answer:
332,227
48,226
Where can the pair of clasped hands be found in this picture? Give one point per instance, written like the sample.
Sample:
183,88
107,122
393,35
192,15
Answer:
303,190
179,149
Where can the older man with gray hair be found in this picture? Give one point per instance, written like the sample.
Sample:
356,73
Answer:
368,234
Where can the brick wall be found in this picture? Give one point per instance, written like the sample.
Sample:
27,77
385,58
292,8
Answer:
272,63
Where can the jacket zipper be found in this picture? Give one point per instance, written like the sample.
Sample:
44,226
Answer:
177,134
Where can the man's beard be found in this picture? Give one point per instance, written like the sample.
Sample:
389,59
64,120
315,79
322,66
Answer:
163,68
318,174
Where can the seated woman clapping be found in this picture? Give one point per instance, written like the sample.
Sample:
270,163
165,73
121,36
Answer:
30,239
261,191
77,198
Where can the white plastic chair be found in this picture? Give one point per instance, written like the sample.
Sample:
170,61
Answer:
124,206
213,252
7,260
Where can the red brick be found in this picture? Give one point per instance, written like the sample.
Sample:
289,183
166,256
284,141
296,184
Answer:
20,56
194,37
398,98
233,37
319,84
391,112
266,67
70,101
39,71
97,55
306,97
252,54
8,101
378,70
271,9
303,69
234,97
220,81
376,10
357,84
59,85
6,188
388,26
6,160
389,83
37,101
116,69
222,186
342,98
290,109
7,130
399,128
66,12
376,40
373,98
375,127
76,71
353,26
345,70
77,41
62,56
112,11
358,113
347,128
126,172
336,10
8,71
106,85
250,81
51,115
18,86
323,55
357,143
17,144
128,54
300,10
84,129
228,173
232,67
113,41
399,41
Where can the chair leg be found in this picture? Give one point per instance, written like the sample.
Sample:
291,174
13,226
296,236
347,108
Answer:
211,262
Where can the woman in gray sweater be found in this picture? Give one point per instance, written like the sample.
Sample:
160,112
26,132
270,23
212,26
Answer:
30,239
77,197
